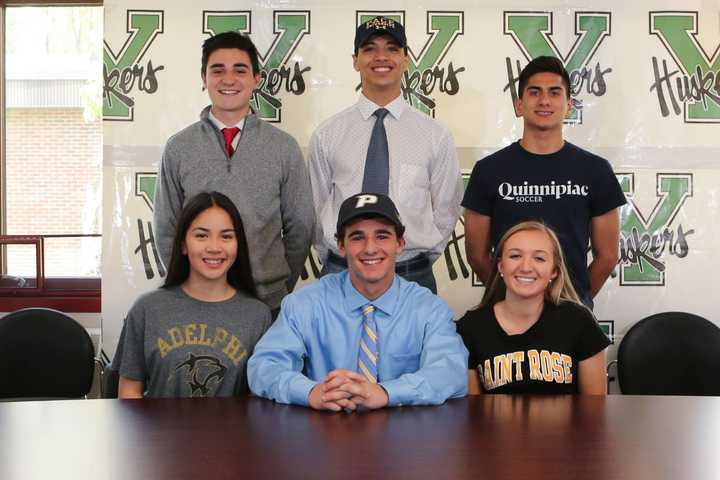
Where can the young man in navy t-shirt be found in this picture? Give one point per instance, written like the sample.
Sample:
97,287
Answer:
543,177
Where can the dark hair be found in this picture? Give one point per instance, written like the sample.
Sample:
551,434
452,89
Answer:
239,276
542,65
230,40
399,229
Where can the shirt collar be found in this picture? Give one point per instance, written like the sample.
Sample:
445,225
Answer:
220,125
367,107
354,300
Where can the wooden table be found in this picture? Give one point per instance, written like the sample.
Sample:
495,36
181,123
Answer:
494,437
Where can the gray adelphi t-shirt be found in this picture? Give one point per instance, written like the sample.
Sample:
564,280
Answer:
183,347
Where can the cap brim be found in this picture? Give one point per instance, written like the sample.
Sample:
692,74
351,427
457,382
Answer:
355,215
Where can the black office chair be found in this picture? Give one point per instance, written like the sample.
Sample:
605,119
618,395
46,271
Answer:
672,353
44,354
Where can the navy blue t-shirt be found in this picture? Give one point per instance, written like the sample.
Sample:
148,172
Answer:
565,190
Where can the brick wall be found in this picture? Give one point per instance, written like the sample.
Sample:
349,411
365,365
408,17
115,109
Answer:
54,186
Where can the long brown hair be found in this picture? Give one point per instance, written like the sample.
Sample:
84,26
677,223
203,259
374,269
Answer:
560,288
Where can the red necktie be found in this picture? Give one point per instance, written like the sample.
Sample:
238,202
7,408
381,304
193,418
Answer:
229,134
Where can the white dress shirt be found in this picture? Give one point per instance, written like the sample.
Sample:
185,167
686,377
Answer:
425,181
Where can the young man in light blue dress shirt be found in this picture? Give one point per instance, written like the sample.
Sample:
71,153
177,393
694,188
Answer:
312,355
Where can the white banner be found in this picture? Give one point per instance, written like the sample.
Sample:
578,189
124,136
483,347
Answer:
645,88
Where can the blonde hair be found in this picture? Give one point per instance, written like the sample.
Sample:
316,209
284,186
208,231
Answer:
560,288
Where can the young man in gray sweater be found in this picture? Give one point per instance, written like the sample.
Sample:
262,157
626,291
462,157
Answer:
261,168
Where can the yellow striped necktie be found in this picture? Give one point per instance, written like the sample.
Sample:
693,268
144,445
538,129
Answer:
368,357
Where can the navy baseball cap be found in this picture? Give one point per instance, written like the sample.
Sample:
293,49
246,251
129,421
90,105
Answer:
377,26
363,204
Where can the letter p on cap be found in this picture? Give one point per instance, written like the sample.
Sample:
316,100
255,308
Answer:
365,199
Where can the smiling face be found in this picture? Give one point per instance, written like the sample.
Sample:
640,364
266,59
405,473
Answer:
544,103
370,247
381,63
527,264
210,245
230,83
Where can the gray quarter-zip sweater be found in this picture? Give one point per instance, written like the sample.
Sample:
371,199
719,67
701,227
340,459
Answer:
267,180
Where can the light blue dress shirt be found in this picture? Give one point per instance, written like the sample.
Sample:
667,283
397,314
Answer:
422,359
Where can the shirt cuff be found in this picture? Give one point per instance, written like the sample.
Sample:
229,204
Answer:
299,390
399,392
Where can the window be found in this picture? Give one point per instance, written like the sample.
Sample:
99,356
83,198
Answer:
51,155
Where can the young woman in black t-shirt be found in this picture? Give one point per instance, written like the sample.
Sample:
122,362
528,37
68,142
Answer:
530,333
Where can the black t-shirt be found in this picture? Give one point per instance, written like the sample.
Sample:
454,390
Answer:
544,359
564,190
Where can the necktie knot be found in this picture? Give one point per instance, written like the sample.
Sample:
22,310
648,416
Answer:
229,135
380,113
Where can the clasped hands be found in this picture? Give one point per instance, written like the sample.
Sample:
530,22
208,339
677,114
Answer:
346,390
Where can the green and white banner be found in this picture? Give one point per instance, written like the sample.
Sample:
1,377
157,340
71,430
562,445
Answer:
645,84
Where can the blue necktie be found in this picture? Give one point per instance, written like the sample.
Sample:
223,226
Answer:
368,357
377,163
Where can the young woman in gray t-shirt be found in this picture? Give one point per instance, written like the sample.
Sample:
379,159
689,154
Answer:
193,336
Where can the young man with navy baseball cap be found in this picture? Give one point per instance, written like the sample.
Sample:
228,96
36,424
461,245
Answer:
384,145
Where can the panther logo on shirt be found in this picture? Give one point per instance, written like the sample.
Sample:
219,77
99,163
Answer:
204,374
